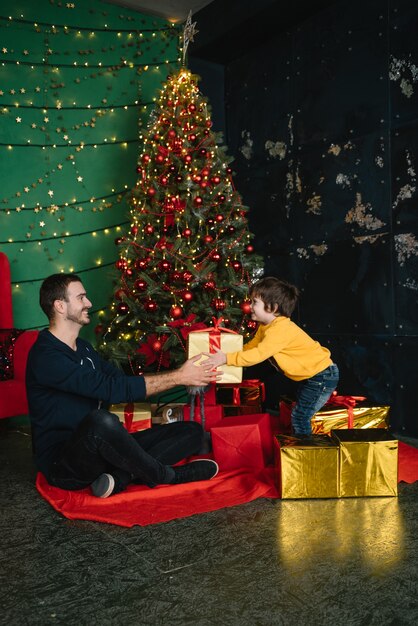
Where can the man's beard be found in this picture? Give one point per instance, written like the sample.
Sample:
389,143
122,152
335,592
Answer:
78,319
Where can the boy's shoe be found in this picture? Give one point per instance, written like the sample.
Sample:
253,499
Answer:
103,486
200,469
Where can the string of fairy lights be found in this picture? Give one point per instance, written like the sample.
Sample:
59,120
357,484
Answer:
71,102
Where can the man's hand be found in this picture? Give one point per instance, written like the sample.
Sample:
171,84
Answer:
188,374
197,375
214,360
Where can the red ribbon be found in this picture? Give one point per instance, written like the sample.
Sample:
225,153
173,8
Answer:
215,333
253,382
349,402
128,415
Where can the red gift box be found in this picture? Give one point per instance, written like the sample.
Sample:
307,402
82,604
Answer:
243,441
213,415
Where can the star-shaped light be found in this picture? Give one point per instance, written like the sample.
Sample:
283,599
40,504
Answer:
46,119
50,193
4,50
13,91
188,34
22,90
18,120
18,209
33,125
26,189
37,89
80,179
1,93
26,52
41,224
59,166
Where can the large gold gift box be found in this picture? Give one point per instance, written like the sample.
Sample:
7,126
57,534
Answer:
307,467
363,417
368,462
198,342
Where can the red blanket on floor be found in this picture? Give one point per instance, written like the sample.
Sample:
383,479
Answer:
142,506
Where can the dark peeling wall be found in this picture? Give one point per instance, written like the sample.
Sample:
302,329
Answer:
323,121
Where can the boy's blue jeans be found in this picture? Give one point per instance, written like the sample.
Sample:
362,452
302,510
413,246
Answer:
311,395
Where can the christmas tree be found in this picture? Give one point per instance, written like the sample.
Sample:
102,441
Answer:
188,257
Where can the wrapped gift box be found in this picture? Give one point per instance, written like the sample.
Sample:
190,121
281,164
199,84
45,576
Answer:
213,415
362,417
247,393
205,341
307,467
368,462
337,417
133,415
243,442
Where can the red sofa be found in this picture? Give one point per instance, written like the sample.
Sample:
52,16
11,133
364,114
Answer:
13,399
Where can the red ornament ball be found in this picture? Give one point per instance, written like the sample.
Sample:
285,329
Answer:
250,248
176,311
159,158
192,108
157,345
187,232
219,218
205,171
149,229
121,264
122,308
198,200
187,296
236,265
139,169
231,229
134,230
246,307
129,272
221,197
215,256
203,151
208,238
164,180
192,137
218,304
216,180
146,158
209,285
251,324
119,294
150,306
164,265
208,123
188,158
187,276
140,285
151,191
141,264
172,133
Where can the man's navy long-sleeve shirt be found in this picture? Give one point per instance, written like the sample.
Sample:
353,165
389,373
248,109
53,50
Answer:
64,385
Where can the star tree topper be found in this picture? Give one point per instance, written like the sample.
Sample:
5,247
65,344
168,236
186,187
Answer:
189,32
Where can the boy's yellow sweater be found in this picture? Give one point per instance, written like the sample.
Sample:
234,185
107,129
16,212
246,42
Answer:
295,352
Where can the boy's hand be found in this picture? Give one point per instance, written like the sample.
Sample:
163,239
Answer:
214,360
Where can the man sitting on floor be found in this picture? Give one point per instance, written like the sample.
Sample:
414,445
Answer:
77,442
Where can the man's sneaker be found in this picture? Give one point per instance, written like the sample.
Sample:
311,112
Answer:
103,486
200,469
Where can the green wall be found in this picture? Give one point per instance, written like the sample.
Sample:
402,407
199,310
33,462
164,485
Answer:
72,76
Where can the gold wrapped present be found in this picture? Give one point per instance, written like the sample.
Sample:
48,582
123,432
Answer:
362,417
307,467
368,462
217,337
133,415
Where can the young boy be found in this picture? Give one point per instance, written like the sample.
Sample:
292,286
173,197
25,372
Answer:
293,351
